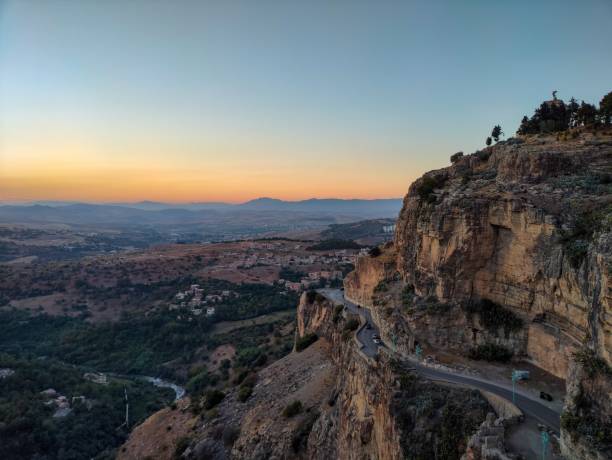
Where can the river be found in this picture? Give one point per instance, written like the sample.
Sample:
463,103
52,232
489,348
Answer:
179,391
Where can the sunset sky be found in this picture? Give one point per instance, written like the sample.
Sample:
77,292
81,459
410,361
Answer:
228,101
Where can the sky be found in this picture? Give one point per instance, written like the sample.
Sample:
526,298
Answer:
184,101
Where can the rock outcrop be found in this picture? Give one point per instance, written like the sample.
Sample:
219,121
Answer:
509,246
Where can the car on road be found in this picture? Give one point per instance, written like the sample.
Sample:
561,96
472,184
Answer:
545,396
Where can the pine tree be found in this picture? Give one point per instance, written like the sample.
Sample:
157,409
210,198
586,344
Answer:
497,131
488,142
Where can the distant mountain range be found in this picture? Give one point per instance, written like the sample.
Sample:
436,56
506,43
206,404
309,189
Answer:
152,213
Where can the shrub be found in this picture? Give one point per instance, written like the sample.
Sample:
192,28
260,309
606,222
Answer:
313,296
292,409
244,393
456,157
381,287
374,252
491,352
592,364
212,398
351,324
408,295
305,341
337,313
425,189
181,446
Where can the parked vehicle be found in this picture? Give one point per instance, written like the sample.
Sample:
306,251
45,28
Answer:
545,396
377,341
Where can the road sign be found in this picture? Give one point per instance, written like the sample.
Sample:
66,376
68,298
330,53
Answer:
516,375
545,439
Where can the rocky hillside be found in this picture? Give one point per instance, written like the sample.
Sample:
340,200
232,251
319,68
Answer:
509,248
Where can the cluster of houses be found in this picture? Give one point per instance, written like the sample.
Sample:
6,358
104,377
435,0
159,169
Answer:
61,403
313,279
198,302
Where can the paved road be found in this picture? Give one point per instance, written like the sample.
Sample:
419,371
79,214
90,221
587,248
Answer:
531,407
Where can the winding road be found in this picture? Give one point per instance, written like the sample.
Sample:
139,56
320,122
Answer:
531,406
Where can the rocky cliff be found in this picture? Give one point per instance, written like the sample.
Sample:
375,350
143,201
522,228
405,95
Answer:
510,246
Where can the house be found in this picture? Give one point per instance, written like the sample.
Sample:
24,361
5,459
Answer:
293,286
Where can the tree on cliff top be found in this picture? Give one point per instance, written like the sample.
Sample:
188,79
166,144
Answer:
605,108
496,133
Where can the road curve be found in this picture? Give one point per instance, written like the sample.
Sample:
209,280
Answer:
531,407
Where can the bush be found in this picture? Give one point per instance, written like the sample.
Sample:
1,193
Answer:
181,445
491,352
456,157
425,189
381,287
337,313
244,393
593,365
212,398
327,245
351,324
407,295
304,342
313,296
374,252
292,409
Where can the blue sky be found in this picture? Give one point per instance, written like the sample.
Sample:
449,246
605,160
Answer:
186,100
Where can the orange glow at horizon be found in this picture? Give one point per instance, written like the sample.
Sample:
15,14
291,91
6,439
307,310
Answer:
78,171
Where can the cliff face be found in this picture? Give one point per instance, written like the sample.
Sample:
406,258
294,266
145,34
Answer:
511,245
498,225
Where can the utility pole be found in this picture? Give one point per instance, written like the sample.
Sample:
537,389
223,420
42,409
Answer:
127,408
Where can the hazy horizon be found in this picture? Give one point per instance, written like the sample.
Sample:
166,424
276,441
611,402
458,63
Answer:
209,101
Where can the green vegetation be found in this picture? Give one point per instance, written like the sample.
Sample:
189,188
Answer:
494,316
427,185
496,133
292,409
585,223
352,324
291,275
338,309
313,296
591,363
491,352
456,157
355,230
435,421
142,344
374,252
381,287
92,429
408,295
327,245
585,419
212,398
556,116
305,341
